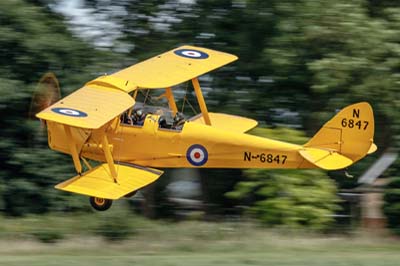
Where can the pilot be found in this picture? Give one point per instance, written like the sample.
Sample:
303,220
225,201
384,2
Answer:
162,122
126,119
179,120
138,117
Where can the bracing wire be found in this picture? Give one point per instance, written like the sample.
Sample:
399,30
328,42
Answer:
185,99
146,97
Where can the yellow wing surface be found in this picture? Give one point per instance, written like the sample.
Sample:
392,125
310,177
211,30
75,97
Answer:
227,122
105,97
174,67
98,182
89,107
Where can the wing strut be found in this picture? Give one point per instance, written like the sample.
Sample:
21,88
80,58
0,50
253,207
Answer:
105,146
109,158
200,99
171,101
73,150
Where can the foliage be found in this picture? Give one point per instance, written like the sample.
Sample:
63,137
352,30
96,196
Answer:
337,54
115,225
294,199
281,134
391,207
34,40
48,236
304,199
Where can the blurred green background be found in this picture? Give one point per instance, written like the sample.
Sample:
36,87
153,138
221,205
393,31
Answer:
299,62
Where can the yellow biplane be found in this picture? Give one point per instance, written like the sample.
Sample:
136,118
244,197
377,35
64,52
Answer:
103,122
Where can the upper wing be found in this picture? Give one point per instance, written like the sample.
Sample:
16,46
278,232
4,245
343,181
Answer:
89,107
102,99
174,67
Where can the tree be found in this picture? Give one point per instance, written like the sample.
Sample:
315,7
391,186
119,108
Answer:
330,54
35,40
336,54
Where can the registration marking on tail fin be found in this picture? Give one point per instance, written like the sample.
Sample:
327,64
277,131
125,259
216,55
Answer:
350,132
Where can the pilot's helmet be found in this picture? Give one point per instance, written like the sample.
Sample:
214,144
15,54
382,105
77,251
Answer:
139,112
178,117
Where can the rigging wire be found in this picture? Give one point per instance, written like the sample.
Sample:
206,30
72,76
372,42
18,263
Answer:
185,99
148,97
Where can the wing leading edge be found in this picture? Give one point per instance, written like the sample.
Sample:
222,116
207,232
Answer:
174,67
89,107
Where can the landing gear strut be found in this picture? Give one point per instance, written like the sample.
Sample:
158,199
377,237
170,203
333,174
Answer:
100,204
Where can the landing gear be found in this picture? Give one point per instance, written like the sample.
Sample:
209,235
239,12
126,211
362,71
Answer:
100,204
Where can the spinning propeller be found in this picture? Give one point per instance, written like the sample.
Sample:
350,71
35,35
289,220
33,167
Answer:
46,93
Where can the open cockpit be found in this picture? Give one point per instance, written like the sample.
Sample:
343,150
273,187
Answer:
167,119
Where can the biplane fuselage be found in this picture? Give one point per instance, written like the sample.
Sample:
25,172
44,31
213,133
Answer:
214,147
90,124
152,146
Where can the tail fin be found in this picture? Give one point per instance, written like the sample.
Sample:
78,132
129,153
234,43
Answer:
349,135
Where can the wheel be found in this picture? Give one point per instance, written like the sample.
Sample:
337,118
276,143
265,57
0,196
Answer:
100,204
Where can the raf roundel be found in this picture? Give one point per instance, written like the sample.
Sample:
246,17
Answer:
197,155
69,112
191,53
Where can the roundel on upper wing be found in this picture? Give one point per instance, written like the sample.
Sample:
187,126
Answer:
197,155
69,112
191,53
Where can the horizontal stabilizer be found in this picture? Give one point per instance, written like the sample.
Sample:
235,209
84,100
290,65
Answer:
372,148
325,159
227,122
98,181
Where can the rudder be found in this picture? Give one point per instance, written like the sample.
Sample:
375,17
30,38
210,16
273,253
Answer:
350,132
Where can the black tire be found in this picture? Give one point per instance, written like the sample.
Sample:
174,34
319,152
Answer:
100,204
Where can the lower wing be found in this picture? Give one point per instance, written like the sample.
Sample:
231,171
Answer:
98,182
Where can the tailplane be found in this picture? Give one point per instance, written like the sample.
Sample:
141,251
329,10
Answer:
343,140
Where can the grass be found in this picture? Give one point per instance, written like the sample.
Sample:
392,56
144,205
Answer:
264,249
185,243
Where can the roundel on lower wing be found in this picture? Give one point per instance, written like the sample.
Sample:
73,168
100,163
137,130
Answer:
191,53
69,112
197,155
